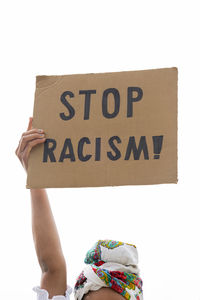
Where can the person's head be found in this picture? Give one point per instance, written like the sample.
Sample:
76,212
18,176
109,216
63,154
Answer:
111,272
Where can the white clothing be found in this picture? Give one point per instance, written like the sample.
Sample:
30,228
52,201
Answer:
43,294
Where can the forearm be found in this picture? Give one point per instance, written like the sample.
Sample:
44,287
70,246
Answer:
45,234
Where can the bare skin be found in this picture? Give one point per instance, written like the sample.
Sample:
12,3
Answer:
45,235
103,294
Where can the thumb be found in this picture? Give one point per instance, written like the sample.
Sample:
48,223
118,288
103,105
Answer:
30,123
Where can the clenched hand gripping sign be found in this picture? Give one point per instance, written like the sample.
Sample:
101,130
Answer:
105,129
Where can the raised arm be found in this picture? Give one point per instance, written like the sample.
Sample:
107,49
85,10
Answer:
45,234
47,244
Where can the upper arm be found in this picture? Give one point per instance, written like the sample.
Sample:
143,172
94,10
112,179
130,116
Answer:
55,282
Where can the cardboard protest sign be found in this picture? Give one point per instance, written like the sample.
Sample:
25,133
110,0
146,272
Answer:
105,129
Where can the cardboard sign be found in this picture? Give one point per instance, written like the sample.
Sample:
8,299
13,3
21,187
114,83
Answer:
105,129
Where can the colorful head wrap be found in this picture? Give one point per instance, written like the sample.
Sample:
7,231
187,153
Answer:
111,264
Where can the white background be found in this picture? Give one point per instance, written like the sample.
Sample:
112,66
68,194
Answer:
65,37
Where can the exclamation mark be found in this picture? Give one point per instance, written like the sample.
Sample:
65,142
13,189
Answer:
157,145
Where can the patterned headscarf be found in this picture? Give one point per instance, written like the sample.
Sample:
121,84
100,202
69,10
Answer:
111,264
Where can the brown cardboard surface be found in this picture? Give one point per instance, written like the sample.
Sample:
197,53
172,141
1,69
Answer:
106,129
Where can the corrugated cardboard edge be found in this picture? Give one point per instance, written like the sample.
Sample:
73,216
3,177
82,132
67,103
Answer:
43,81
177,139
100,186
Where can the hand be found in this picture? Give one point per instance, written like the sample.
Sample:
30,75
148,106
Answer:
29,139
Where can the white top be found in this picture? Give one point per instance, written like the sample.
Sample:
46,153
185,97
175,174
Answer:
43,294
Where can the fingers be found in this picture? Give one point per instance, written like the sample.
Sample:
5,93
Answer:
27,150
34,130
30,123
29,137
24,139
